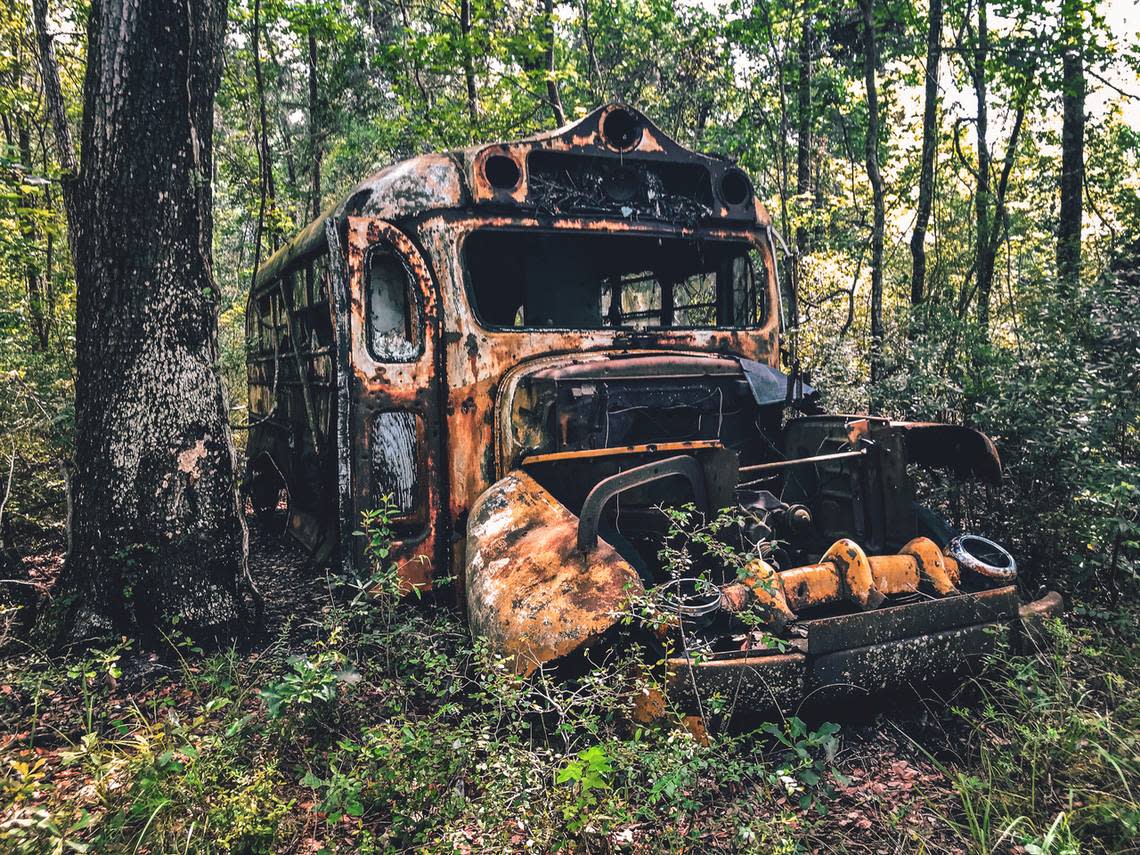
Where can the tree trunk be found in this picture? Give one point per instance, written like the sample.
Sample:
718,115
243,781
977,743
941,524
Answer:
982,195
281,112
779,141
314,131
49,69
803,132
157,529
1072,147
468,63
53,94
267,192
39,306
547,13
929,149
599,89
870,64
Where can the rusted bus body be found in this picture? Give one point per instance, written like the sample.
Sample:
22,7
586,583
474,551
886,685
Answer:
530,347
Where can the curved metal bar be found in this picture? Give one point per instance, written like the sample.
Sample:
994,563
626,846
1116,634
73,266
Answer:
683,465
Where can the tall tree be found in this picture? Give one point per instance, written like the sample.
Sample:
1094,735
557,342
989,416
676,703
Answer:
40,294
929,149
268,194
53,92
157,530
990,203
314,128
983,260
546,24
465,28
803,132
1072,143
878,227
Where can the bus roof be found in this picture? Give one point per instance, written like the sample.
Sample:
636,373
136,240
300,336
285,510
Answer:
614,162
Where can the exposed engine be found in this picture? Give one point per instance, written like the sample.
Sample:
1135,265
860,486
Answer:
737,523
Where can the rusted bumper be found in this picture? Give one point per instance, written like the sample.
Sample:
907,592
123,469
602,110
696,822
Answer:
858,655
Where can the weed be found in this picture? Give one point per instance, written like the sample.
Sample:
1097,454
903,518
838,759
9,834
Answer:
589,773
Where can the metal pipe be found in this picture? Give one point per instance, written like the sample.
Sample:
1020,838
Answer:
800,461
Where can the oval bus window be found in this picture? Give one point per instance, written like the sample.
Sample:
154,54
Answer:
393,309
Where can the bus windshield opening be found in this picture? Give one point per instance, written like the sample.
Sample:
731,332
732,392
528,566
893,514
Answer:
571,280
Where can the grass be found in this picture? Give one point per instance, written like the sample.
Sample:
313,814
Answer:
380,727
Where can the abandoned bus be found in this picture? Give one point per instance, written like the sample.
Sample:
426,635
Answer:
533,350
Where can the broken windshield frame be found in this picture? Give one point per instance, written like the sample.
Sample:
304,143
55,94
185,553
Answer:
539,279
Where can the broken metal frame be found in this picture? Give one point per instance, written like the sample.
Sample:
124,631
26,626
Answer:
682,465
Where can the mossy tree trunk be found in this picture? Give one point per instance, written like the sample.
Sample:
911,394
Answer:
157,532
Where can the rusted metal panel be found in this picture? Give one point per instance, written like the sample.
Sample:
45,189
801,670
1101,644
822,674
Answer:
912,661
825,635
407,390
965,450
440,181
338,297
621,451
396,438
516,435
530,591
748,683
860,655
527,172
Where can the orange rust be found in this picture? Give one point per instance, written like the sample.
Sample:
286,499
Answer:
894,574
842,572
529,590
763,583
648,706
854,572
589,136
695,724
857,429
620,450
938,571
810,585
406,386
736,597
953,570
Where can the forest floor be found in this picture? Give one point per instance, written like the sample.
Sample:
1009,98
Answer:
348,728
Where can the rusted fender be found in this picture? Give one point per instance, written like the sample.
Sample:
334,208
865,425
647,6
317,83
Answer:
530,591
965,450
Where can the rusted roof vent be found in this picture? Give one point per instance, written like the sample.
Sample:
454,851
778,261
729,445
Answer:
502,171
621,129
735,188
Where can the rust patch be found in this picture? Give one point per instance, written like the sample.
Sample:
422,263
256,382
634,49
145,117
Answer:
530,591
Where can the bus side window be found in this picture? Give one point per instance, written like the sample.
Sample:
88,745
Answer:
393,309
747,306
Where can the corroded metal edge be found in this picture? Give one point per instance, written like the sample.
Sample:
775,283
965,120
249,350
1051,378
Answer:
781,682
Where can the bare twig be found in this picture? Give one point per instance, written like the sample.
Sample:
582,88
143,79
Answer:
7,488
